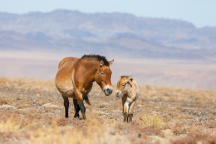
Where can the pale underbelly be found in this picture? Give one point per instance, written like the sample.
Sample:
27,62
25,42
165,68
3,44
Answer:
130,100
65,90
70,93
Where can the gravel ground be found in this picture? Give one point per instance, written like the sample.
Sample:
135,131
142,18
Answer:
183,111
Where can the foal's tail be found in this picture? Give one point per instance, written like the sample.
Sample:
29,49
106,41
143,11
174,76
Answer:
87,100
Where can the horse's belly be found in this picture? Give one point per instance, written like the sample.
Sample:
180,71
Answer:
130,100
66,89
70,93
67,92
64,83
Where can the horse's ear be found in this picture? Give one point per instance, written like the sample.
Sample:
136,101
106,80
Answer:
130,78
110,62
101,63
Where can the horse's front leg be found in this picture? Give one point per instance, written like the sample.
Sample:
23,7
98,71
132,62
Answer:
130,113
125,111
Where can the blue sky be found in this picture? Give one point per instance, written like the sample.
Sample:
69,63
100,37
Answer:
200,12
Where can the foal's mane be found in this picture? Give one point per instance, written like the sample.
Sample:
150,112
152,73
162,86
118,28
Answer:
96,58
125,76
131,79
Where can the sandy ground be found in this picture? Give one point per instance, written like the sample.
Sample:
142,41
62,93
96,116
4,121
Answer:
174,115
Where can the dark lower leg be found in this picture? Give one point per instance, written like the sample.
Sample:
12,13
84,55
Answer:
83,109
76,108
125,117
130,116
66,105
131,109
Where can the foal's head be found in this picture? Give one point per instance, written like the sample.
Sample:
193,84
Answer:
103,77
123,84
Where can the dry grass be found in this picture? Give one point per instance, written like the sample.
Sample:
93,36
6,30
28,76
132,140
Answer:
152,121
28,83
31,111
9,126
92,131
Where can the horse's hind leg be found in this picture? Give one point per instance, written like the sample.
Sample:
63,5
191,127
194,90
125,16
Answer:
82,108
66,105
80,102
76,108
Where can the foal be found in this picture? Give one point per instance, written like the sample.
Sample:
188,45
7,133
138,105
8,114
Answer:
128,89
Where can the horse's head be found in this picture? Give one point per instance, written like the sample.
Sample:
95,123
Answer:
103,77
122,84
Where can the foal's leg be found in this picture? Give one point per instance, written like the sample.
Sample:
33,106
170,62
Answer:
76,108
125,112
66,105
130,113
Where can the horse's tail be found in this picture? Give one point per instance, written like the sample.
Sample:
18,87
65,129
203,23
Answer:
87,100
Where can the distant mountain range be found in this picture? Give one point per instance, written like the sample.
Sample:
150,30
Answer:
106,33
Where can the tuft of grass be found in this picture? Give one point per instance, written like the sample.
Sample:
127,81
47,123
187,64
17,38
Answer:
9,125
7,100
151,121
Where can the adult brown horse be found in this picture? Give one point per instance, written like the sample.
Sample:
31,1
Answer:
75,78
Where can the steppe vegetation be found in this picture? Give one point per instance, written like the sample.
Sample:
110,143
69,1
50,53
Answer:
32,111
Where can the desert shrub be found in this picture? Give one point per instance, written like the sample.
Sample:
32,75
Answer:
152,121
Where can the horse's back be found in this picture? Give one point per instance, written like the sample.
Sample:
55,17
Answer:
63,78
134,91
67,60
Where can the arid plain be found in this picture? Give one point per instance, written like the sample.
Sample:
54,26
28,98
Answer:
176,103
161,72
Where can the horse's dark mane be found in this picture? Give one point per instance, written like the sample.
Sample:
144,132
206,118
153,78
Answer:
96,58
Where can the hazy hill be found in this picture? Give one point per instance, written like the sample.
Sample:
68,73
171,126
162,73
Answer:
106,33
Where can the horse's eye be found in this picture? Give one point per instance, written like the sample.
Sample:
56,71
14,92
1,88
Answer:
102,74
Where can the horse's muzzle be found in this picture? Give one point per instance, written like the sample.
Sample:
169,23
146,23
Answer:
108,90
118,93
